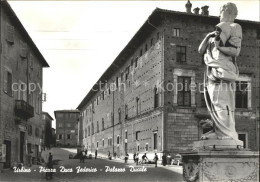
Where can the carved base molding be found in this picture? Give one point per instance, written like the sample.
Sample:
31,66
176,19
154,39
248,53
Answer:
221,166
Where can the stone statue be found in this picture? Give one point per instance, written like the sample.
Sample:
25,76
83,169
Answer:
220,49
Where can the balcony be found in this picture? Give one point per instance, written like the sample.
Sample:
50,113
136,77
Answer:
23,109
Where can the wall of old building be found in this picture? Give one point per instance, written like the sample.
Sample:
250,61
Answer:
141,82
15,61
69,122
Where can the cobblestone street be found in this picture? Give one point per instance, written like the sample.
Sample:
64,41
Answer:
161,173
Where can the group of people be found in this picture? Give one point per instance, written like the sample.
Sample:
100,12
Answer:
144,159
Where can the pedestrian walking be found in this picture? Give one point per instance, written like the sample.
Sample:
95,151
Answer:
164,160
83,156
169,158
96,154
126,157
137,158
134,157
155,159
49,166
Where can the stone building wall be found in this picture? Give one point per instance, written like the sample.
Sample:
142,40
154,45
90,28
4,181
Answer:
17,54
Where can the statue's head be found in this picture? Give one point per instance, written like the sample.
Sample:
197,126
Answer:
228,12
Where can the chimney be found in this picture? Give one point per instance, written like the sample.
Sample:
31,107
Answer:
196,11
204,10
188,6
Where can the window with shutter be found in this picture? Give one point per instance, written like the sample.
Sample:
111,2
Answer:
8,81
31,61
10,33
23,49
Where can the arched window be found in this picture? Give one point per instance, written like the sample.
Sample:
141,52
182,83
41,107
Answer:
156,97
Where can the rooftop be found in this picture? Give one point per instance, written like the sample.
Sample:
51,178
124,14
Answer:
5,5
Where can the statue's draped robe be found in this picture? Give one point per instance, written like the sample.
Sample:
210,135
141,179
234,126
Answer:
220,77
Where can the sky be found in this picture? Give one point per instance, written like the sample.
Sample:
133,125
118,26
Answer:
80,39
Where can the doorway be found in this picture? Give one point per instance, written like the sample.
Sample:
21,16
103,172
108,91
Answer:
21,146
7,164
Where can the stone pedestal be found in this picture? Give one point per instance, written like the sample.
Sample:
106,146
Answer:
207,164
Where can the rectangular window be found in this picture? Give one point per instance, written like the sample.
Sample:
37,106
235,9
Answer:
125,134
136,61
141,52
119,115
60,136
117,82
146,147
10,33
117,140
103,124
68,136
138,148
127,73
181,54
155,141
97,144
8,82
176,32
137,133
97,127
138,106
122,77
23,51
126,111
156,97
241,94
184,93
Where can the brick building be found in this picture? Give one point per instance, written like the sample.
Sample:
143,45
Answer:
66,127
47,132
21,67
136,105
